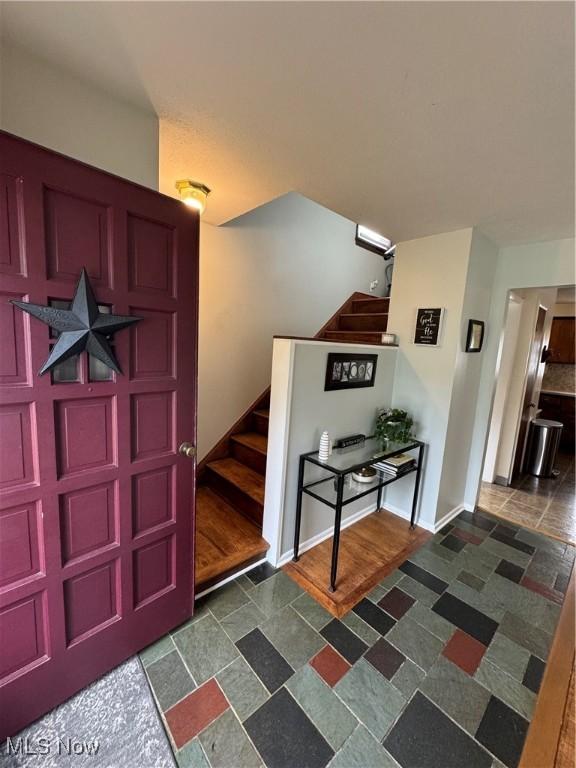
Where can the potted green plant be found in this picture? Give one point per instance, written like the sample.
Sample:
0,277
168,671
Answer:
393,425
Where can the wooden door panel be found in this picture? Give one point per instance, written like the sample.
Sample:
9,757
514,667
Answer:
11,225
20,533
24,638
152,425
562,340
152,344
152,499
96,504
84,434
153,570
88,520
151,257
14,368
91,600
70,220
17,463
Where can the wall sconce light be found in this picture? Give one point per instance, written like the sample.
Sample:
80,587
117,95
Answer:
193,194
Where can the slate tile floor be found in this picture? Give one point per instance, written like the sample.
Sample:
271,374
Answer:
439,666
547,505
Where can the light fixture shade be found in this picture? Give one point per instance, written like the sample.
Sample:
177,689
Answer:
373,238
374,241
193,194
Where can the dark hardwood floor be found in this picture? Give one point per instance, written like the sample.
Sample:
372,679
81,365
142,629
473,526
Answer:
225,540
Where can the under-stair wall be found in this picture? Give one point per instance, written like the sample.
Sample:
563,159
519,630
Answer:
281,269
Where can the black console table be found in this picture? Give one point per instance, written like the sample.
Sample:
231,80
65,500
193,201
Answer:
333,492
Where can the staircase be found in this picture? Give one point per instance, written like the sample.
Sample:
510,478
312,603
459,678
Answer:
230,494
362,320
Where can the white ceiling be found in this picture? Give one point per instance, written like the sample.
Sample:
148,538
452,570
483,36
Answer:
412,118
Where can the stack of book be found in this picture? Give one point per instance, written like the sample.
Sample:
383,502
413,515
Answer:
396,465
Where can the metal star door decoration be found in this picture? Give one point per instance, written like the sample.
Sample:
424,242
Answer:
82,327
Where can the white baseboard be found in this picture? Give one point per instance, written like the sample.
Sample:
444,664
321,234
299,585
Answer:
432,527
230,578
326,534
451,515
406,516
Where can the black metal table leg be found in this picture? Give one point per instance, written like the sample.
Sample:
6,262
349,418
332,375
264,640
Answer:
379,504
336,540
417,485
298,508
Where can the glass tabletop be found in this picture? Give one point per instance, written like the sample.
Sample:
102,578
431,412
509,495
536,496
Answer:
343,460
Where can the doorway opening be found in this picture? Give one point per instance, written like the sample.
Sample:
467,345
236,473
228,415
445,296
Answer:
535,389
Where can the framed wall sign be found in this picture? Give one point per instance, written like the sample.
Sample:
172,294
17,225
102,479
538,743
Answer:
350,371
428,326
475,335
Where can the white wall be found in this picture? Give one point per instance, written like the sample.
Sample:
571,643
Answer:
448,391
62,112
523,266
282,269
477,296
563,309
452,404
300,411
428,272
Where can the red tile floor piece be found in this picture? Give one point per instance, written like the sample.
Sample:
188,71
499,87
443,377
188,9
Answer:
469,538
191,715
330,665
542,589
396,602
464,651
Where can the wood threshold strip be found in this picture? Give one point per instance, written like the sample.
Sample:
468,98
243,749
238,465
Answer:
541,745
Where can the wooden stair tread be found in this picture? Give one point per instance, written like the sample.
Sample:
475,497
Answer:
226,541
265,414
371,315
363,322
247,480
252,440
371,304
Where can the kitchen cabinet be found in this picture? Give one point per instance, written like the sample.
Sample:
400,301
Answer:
561,408
562,341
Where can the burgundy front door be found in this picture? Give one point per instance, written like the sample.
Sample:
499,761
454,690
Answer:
96,504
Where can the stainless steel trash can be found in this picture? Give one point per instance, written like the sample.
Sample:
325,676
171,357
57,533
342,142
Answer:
543,446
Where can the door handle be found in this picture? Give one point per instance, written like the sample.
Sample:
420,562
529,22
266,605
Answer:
188,450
